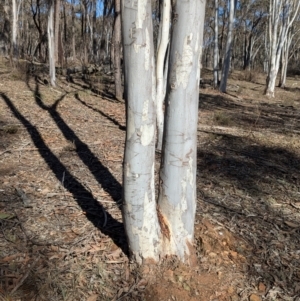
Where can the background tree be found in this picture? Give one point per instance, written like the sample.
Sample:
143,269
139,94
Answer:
117,52
281,17
51,44
227,55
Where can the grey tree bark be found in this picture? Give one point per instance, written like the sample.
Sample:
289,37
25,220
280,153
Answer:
56,27
51,44
73,31
216,45
227,56
117,52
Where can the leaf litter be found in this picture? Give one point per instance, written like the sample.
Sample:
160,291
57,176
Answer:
61,232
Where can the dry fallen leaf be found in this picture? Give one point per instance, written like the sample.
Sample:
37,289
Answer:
292,225
92,298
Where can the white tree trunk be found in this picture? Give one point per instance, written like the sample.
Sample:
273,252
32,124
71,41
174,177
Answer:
139,206
177,198
227,57
286,14
14,32
51,46
160,66
216,45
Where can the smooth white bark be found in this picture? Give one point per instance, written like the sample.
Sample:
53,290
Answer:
15,17
177,197
139,205
160,66
285,13
51,46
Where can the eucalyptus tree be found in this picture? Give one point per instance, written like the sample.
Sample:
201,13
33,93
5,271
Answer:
156,228
15,28
216,45
282,14
228,49
290,47
117,51
51,43
162,67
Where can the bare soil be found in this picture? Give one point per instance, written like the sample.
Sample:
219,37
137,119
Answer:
61,231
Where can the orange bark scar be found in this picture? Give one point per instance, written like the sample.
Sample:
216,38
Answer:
164,228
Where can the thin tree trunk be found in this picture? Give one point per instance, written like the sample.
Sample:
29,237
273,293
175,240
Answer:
73,31
56,28
117,51
95,48
227,57
14,46
177,195
216,46
160,66
51,44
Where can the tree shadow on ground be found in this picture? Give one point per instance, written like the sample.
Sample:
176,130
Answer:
248,165
114,121
277,117
250,188
89,85
106,224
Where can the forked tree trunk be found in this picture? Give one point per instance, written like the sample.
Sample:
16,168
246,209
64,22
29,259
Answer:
117,52
153,230
51,44
177,196
278,12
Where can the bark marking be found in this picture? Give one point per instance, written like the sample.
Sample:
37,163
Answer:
164,228
184,64
189,172
147,51
145,110
130,125
147,133
141,13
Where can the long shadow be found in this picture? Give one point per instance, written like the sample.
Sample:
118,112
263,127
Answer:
249,186
248,165
114,121
275,117
89,86
106,94
107,224
98,170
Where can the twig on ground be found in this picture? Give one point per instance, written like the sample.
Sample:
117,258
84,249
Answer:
24,198
25,276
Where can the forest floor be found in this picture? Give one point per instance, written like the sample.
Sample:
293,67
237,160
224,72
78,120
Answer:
61,231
